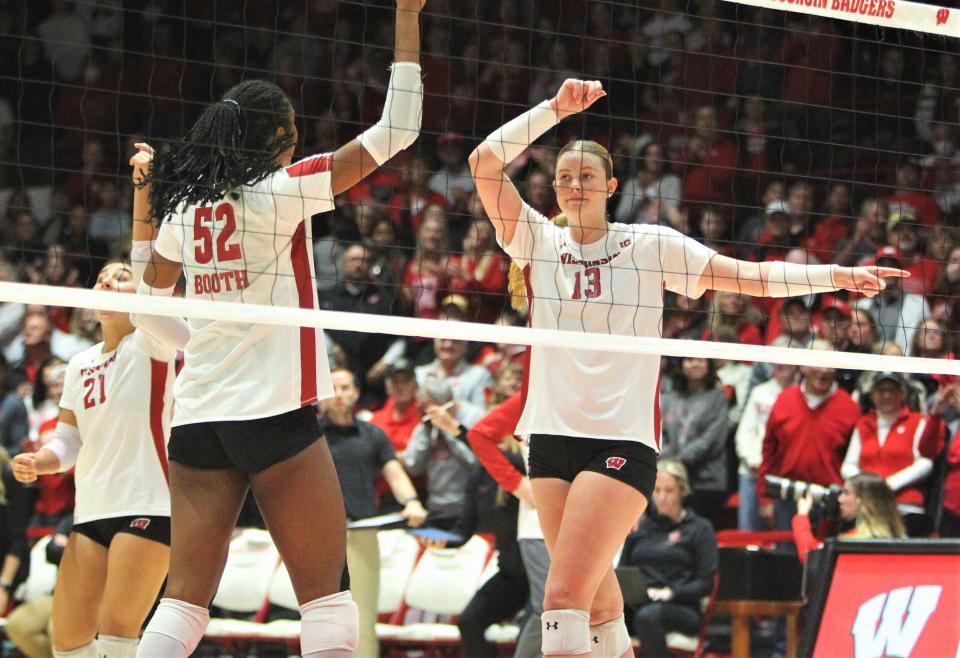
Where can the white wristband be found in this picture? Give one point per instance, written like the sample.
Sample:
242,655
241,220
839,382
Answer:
513,137
399,125
140,253
794,279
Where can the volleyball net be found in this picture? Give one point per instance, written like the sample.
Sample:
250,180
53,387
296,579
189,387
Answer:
805,130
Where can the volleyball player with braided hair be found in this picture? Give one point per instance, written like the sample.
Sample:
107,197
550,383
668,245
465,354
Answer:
593,417
113,426
234,218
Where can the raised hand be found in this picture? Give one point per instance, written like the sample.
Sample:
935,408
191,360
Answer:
576,96
141,161
868,281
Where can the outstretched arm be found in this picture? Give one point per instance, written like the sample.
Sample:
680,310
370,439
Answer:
500,197
780,279
399,126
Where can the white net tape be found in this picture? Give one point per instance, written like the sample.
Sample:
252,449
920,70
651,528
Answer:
404,326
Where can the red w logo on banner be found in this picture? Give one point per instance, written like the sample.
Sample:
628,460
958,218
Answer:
942,16
616,463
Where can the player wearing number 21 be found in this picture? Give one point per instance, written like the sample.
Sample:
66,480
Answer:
114,423
234,217
593,417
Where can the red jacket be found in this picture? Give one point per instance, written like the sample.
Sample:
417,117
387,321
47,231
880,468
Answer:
484,437
951,479
912,435
808,444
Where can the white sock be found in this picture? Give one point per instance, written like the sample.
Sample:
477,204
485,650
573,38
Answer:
329,627
174,631
112,646
86,651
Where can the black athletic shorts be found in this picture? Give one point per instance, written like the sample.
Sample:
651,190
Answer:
564,457
103,531
248,445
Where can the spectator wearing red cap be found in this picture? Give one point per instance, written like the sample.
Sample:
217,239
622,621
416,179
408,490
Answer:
898,313
869,234
905,234
833,325
908,197
897,444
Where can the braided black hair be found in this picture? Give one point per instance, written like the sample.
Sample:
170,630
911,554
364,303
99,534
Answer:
233,143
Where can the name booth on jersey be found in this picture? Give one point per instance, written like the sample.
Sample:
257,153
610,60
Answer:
220,281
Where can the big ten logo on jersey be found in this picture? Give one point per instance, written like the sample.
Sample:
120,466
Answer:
889,624
214,242
95,383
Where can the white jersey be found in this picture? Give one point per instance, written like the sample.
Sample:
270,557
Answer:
123,403
254,246
613,286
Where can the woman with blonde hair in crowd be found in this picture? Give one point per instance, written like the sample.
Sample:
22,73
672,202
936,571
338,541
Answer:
866,502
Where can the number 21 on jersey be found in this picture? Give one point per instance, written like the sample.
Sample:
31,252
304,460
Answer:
587,283
205,219
94,391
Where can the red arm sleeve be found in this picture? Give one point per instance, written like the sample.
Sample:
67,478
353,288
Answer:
488,432
803,536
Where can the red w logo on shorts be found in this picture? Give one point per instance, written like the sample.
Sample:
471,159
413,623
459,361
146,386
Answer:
140,524
616,463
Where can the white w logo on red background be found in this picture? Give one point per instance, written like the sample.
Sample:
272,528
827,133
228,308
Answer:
889,624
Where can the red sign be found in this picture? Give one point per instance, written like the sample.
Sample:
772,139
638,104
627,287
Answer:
892,606
942,15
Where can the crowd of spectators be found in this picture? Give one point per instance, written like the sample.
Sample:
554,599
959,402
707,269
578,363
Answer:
804,145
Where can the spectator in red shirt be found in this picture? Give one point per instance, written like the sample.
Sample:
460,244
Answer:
708,162
904,233
408,206
425,278
907,196
834,226
807,435
401,414
480,272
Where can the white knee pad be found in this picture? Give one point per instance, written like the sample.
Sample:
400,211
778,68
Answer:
611,639
175,630
565,632
329,626
111,646
86,651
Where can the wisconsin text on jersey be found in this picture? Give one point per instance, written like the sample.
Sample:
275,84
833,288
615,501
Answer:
226,281
566,258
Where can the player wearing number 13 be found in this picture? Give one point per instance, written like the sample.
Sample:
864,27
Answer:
234,214
593,417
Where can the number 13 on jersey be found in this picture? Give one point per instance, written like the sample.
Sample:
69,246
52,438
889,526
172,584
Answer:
587,283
